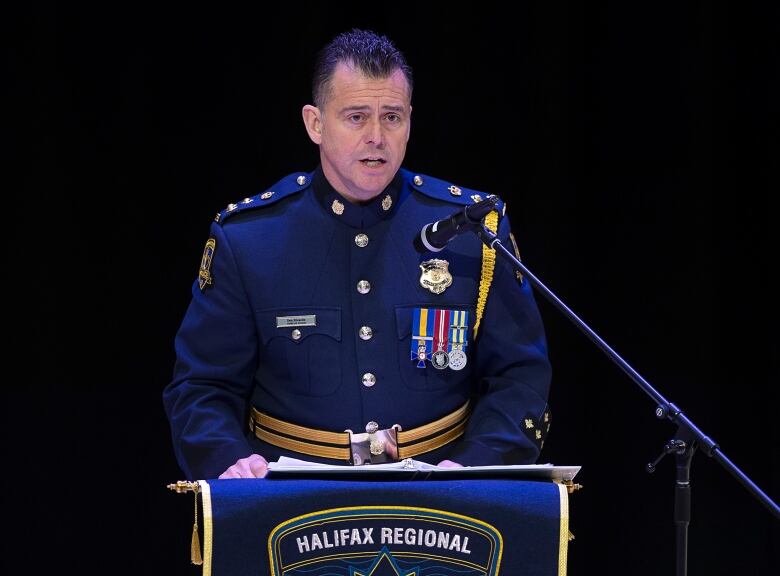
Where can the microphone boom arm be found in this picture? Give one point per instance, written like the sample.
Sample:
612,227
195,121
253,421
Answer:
664,409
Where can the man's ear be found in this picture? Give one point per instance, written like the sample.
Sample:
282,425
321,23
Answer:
312,119
409,126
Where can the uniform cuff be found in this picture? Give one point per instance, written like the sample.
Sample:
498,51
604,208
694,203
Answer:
470,453
208,464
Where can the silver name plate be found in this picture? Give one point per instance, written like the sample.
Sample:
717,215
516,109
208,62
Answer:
289,321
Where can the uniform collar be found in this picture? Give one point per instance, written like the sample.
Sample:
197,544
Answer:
356,215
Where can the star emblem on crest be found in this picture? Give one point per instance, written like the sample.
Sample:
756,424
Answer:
384,565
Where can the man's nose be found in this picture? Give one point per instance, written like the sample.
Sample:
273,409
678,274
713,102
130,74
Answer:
374,133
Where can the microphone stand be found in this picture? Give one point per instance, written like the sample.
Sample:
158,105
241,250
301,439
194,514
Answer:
688,437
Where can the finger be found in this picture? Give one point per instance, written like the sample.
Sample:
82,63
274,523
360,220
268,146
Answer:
230,473
237,470
259,470
258,466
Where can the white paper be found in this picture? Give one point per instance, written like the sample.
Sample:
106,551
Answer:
294,467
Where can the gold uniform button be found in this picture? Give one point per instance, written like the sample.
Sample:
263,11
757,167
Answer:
364,286
418,181
361,240
369,379
366,332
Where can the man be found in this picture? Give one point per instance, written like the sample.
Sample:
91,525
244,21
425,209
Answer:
317,331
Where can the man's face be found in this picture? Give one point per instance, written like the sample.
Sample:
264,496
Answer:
362,131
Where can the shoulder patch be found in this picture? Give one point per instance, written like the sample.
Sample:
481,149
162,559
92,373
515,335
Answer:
287,186
446,191
204,274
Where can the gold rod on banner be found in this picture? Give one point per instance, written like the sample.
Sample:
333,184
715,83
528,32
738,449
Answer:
183,486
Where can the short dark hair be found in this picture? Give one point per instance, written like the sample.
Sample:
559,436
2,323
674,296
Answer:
373,55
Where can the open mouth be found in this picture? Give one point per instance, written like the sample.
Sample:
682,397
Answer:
373,162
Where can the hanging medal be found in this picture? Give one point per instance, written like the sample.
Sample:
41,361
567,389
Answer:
422,340
458,339
440,358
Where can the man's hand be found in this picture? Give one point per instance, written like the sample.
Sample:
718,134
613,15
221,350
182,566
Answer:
449,464
254,466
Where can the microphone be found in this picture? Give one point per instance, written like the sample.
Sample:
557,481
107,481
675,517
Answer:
435,236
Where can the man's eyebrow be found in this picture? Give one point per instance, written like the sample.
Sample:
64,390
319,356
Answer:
365,107
394,108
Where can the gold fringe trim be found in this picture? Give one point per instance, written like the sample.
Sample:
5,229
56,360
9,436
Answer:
488,267
563,541
208,527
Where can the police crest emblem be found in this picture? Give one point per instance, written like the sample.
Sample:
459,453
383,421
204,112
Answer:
204,274
435,275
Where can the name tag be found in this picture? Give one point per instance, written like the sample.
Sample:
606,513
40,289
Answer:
288,321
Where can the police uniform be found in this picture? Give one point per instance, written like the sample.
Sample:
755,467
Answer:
311,316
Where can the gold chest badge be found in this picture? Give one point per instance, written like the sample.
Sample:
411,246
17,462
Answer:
435,275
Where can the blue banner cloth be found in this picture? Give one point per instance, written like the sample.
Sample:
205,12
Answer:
316,527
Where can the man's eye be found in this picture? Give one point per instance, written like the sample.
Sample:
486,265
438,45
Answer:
356,118
393,118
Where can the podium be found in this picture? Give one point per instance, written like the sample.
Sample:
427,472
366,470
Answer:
378,527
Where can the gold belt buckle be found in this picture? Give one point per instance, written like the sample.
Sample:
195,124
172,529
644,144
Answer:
374,446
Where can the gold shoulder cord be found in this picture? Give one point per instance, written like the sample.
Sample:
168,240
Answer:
488,267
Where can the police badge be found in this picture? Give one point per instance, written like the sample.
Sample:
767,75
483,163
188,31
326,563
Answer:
204,274
435,275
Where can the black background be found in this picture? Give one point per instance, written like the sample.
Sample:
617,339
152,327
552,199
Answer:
635,145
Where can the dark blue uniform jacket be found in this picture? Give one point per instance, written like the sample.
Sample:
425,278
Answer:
289,252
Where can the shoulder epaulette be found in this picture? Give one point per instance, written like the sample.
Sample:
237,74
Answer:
446,191
287,186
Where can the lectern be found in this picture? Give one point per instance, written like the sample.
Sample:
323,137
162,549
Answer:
359,526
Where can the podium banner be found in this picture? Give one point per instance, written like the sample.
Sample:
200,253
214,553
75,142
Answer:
316,527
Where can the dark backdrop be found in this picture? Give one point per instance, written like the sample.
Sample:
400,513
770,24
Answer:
635,144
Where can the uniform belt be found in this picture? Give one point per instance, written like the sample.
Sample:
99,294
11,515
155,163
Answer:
339,445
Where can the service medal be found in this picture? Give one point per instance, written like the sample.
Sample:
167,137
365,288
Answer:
440,359
435,275
459,328
458,359
441,329
422,340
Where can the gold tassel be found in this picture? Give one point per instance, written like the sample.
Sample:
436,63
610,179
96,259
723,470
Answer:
195,555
